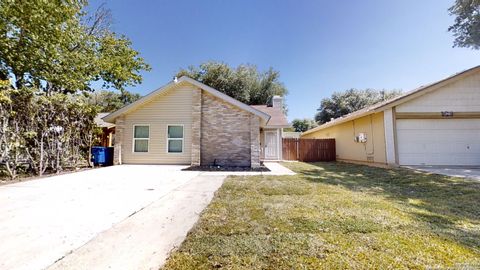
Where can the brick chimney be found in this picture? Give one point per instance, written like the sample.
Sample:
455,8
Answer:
277,102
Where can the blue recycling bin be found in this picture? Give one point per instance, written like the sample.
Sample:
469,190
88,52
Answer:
98,155
102,155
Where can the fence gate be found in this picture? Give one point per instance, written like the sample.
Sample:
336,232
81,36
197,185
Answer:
309,150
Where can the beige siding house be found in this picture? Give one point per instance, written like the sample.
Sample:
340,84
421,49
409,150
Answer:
187,122
437,124
349,149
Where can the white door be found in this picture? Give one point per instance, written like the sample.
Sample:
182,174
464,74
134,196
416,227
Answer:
271,147
438,141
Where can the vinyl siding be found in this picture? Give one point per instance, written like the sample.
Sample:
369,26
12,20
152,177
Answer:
171,108
459,96
349,150
441,141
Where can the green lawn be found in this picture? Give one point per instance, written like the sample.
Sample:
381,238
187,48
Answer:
337,216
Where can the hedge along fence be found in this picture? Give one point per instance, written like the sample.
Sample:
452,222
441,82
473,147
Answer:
40,132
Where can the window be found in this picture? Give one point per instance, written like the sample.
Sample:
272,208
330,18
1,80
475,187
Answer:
174,139
141,137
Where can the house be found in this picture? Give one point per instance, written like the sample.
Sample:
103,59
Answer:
108,130
188,122
291,135
271,134
436,124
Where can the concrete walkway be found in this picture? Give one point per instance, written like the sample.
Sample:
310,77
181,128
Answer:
121,217
456,171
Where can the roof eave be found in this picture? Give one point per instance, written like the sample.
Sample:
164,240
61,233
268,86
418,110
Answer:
420,91
337,122
225,97
110,118
396,101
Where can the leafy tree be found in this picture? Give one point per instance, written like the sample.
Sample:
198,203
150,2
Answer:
55,46
49,52
109,101
466,28
342,103
244,83
302,125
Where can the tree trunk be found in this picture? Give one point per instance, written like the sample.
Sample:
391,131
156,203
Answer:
18,79
58,150
89,158
40,165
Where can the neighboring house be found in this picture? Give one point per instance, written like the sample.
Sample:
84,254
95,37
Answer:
291,135
187,122
271,133
437,124
108,130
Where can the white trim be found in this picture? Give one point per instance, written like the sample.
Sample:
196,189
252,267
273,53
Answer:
389,137
147,139
175,139
280,144
119,154
264,144
111,117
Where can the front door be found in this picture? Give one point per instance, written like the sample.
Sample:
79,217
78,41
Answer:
271,147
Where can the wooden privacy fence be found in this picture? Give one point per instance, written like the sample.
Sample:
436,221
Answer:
309,150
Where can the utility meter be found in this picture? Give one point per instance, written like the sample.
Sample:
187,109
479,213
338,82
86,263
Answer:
361,137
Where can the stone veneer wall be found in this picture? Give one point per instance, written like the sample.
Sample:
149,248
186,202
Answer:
255,140
229,135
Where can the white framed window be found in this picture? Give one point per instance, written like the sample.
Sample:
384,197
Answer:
141,138
175,139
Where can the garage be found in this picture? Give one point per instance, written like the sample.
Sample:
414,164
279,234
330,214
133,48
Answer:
439,141
437,124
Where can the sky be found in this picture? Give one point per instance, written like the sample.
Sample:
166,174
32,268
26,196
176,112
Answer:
318,46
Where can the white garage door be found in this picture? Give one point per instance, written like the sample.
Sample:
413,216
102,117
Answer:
438,141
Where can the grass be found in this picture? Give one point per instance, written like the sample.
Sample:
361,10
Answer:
337,216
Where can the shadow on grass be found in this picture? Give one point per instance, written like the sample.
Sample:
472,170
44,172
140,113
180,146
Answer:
448,206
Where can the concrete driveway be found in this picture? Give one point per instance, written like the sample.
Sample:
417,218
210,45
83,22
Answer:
457,171
43,221
121,217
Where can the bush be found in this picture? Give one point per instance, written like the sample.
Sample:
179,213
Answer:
45,132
